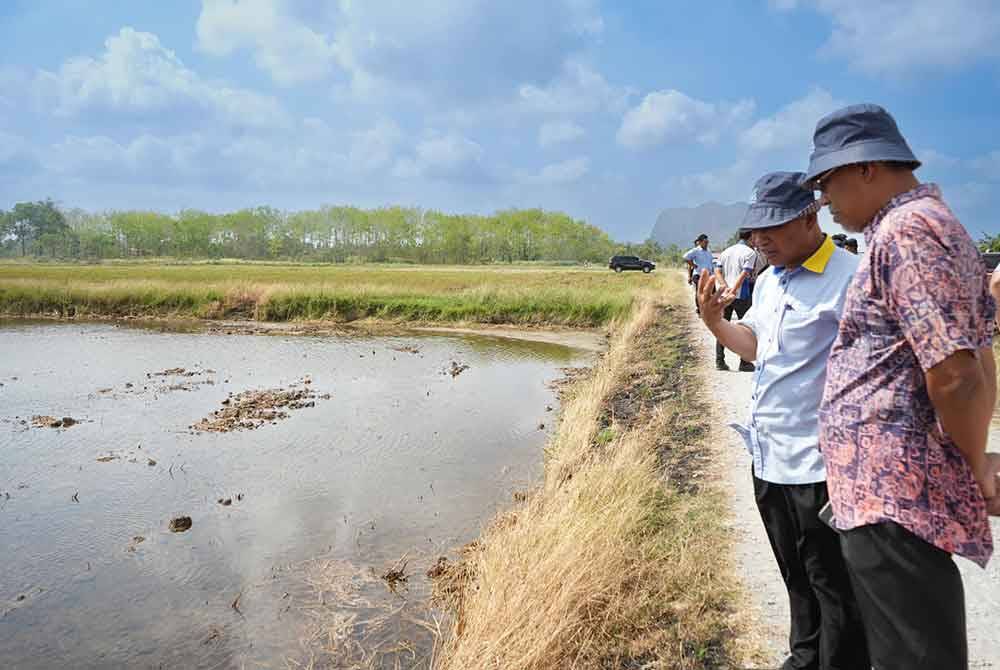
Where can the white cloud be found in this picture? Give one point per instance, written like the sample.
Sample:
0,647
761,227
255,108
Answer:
137,74
988,165
373,148
577,89
935,159
145,158
792,125
728,184
17,156
287,49
446,157
565,172
904,36
559,132
669,115
466,49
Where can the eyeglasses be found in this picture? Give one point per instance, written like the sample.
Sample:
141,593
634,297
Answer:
820,181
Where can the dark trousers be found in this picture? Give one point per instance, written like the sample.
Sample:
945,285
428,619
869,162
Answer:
826,628
740,307
911,599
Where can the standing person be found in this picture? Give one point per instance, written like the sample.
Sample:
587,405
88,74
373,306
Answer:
698,258
910,391
788,331
737,267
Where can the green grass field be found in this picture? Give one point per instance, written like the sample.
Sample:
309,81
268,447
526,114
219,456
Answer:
528,295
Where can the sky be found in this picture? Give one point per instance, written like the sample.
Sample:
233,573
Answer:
608,111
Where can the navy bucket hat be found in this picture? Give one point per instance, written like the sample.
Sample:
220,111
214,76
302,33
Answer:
856,134
778,198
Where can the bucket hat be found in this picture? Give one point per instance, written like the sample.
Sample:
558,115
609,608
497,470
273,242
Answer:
778,197
856,134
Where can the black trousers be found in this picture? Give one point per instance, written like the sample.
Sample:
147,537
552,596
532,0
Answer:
911,599
740,307
826,628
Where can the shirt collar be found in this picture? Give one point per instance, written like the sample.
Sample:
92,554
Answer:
821,257
921,191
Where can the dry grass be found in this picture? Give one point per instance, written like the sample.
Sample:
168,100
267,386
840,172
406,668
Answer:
619,559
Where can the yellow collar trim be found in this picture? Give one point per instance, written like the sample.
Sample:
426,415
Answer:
818,261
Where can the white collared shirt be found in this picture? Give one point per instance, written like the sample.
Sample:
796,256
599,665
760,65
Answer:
795,317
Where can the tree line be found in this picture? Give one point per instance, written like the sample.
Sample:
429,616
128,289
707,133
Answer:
334,234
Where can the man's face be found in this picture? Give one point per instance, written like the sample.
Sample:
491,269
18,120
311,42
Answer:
848,193
788,243
703,244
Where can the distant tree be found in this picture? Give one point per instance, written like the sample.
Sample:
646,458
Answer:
989,242
39,226
330,234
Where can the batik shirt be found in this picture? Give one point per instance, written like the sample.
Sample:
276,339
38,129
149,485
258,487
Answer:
920,294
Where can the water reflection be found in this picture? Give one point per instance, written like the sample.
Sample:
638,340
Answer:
402,458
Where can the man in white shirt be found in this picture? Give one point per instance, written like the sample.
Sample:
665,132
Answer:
738,265
698,258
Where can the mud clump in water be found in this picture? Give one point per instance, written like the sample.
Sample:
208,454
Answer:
457,368
179,372
180,524
252,409
44,421
396,576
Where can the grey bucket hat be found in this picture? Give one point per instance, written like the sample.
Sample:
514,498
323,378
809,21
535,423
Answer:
856,134
778,197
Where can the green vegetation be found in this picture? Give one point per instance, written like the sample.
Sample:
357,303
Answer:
328,235
989,242
271,292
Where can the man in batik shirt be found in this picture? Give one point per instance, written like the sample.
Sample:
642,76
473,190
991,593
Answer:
909,394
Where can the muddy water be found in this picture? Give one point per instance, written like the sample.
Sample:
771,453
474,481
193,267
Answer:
402,458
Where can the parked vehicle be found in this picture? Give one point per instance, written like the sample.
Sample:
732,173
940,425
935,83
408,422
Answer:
992,259
619,263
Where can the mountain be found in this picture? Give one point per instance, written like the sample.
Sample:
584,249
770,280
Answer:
680,225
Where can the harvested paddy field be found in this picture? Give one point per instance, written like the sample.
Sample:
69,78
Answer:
518,295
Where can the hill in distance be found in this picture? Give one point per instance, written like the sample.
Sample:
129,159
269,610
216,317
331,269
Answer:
680,225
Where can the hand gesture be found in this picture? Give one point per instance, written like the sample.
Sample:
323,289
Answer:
989,482
712,303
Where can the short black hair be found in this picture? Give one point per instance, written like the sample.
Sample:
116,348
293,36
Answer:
745,233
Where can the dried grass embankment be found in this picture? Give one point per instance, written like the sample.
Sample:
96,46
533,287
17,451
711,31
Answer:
620,558
533,296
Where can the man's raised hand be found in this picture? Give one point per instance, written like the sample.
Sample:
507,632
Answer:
712,303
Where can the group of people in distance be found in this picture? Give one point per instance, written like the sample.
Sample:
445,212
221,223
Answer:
873,388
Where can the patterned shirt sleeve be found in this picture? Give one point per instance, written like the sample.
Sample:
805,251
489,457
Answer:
935,286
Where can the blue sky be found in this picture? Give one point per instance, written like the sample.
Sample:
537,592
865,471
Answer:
608,111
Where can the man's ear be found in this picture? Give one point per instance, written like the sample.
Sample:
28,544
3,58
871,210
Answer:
868,171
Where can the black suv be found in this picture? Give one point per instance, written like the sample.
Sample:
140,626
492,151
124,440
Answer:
619,263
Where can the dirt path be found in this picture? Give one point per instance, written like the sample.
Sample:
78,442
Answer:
759,573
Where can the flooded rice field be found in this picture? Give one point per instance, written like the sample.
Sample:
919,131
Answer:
191,500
